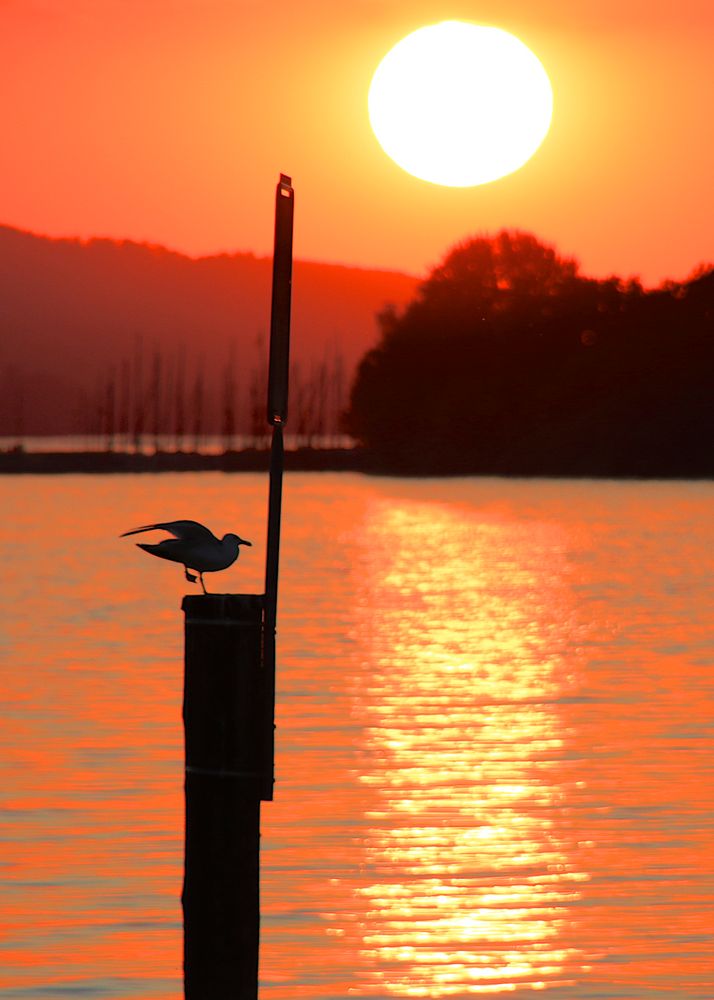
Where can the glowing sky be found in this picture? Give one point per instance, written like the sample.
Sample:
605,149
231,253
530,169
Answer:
169,121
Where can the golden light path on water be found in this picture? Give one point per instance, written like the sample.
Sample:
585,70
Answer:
466,643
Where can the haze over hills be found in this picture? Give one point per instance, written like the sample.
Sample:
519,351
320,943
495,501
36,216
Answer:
76,314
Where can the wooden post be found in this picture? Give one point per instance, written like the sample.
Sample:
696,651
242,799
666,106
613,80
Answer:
223,714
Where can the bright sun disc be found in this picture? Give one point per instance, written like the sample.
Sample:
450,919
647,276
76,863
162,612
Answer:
460,104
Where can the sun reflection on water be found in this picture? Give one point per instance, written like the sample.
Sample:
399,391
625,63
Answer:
472,876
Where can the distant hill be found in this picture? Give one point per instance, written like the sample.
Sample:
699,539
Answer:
78,316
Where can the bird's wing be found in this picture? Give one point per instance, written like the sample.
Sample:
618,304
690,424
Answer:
171,548
187,531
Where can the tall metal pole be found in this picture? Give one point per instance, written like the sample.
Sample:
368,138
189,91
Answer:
278,378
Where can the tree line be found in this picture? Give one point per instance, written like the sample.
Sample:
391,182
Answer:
509,361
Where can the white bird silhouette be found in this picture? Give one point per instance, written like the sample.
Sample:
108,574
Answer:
194,546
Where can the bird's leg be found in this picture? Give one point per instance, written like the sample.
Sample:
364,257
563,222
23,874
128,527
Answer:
189,576
200,577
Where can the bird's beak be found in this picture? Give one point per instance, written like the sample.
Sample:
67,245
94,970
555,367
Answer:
242,541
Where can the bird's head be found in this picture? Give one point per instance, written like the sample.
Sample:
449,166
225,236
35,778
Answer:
236,540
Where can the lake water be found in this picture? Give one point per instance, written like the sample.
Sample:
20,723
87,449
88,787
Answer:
495,737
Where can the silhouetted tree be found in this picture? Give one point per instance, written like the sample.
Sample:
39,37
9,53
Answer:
508,360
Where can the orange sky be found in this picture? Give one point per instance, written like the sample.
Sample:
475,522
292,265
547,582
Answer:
169,121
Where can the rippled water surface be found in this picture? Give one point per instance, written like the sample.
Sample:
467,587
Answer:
495,737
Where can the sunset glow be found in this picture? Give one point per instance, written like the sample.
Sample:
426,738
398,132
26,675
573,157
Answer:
460,104
170,121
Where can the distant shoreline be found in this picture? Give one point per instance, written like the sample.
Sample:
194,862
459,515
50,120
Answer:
248,460
19,462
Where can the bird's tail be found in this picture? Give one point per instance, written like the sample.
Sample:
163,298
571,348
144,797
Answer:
146,546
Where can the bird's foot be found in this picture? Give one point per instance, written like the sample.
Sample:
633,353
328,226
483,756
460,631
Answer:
190,577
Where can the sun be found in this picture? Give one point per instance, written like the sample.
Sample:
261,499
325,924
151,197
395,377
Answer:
460,104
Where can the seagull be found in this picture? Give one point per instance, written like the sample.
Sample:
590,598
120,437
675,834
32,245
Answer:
194,546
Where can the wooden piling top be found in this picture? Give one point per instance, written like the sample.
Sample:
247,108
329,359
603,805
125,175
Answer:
223,607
